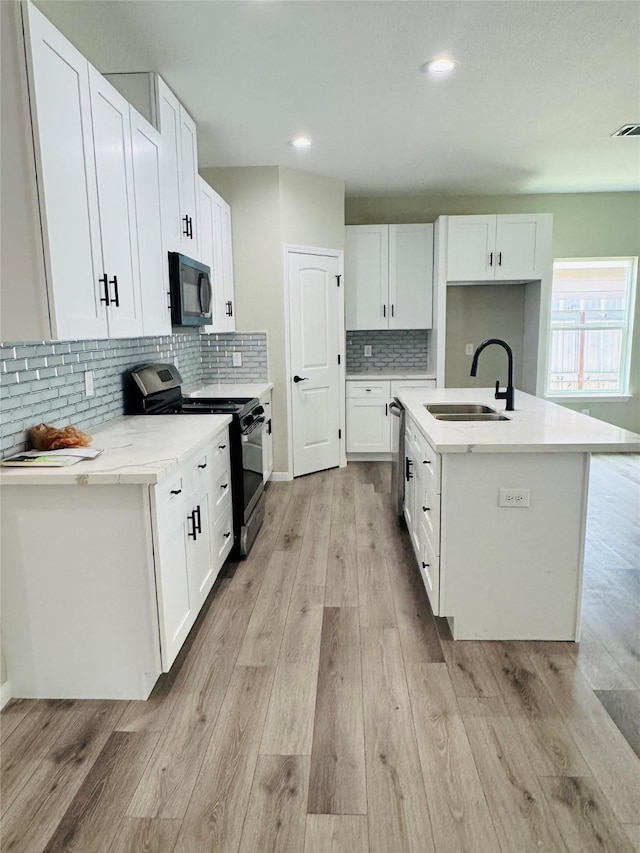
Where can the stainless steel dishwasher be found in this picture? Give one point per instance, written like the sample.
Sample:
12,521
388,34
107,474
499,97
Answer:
397,466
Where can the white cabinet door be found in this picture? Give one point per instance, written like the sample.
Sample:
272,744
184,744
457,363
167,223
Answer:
429,564
176,609
366,273
114,174
214,220
518,247
368,425
171,163
199,563
61,116
227,308
188,183
410,277
471,254
152,259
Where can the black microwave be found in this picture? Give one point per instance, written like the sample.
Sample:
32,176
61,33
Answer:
191,291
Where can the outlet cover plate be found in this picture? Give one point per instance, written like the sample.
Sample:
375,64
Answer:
514,497
88,383
368,350
237,359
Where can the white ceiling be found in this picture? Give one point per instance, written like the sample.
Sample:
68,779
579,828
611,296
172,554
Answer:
540,86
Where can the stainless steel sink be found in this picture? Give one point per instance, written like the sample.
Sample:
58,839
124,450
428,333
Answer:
459,409
471,416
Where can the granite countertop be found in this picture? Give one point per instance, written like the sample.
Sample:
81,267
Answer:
536,426
137,450
379,375
227,389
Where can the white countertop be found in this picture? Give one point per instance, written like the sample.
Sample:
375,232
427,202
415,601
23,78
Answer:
536,426
137,450
222,389
387,375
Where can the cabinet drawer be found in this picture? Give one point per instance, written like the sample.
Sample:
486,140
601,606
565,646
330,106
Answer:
398,385
429,461
429,565
221,489
220,449
222,537
170,492
428,511
368,389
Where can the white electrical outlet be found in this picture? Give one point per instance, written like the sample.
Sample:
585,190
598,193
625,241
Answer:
514,497
468,350
368,350
586,411
88,383
237,359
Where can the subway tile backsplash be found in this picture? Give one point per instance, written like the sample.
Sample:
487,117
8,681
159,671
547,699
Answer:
397,350
45,381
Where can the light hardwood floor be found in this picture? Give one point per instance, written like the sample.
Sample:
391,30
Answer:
319,707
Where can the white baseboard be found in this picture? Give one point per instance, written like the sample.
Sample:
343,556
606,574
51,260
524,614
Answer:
280,476
5,693
370,457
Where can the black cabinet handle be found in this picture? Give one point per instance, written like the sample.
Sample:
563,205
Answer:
297,379
499,259
269,429
105,283
393,313
229,311
198,518
426,509
222,447
116,298
384,310
176,491
224,486
426,462
490,259
204,465
227,535
191,228
407,470
425,565
386,409
185,219
192,518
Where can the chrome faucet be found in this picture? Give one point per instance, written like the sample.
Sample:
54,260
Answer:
507,394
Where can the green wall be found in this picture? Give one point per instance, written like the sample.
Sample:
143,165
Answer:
584,225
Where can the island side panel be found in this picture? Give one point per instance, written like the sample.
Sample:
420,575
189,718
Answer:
513,573
79,613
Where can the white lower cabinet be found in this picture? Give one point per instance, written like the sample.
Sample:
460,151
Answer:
422,508
99,603
371,427
267,437
195,511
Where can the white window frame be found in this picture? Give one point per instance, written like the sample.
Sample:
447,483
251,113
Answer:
627,334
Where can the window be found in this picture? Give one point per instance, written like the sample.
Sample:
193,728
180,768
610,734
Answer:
591,323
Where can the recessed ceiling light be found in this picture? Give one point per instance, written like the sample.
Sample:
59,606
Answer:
300,142
440,65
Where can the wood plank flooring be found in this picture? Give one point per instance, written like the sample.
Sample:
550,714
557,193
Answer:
319,707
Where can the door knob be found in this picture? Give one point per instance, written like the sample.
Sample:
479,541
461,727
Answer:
300,378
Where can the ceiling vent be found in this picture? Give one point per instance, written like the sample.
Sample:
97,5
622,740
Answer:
628,130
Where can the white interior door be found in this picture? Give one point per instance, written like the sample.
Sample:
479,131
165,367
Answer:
316,343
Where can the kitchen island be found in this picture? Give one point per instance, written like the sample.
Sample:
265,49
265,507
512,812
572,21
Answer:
496,511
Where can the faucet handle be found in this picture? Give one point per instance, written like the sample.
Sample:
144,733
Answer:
500,395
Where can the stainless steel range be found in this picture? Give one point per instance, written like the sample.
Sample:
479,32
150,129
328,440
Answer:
155,389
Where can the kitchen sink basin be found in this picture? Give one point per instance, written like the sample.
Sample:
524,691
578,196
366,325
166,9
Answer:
471,416
459,409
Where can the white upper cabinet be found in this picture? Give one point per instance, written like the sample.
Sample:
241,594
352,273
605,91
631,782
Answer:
114,173
389,276
508,247
68,197
152,259
366,273
410,276
216,251
97,172
179,172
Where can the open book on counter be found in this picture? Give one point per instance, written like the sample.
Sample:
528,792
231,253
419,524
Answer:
51,458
